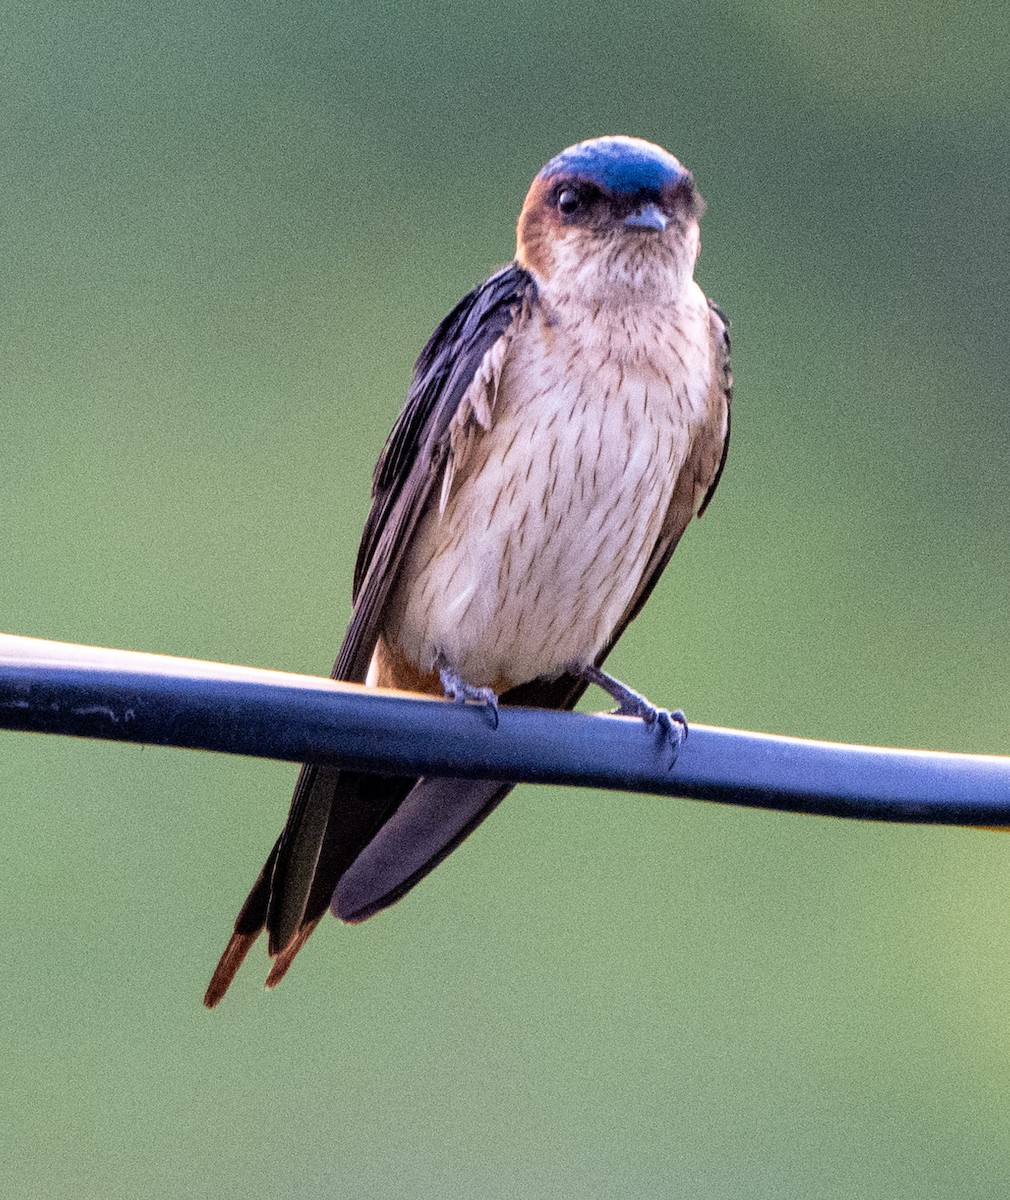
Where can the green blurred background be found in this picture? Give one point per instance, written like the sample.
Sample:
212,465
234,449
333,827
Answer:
228,228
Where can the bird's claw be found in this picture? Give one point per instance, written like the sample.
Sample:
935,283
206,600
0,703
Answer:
460,691
672,726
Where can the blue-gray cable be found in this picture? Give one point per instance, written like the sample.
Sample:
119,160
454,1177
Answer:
302,719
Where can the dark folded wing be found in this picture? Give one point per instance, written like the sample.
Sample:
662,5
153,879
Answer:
314,849
413,459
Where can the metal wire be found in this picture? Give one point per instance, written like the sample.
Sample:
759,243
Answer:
50,687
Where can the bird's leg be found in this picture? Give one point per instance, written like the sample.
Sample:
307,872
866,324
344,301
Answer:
459,690
672,725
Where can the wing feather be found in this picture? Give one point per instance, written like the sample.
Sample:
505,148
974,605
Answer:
302,871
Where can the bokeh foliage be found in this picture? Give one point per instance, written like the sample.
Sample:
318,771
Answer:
228,229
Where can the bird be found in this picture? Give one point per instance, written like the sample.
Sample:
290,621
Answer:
564,424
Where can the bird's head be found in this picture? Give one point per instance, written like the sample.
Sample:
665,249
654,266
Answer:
611,221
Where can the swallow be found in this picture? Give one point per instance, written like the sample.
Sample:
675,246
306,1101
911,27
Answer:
564,424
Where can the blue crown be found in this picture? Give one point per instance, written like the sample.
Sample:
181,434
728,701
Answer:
621,165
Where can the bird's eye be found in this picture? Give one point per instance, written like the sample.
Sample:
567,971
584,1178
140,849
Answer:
568,201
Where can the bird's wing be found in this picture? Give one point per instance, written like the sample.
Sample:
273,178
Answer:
334,814
435,815
413,459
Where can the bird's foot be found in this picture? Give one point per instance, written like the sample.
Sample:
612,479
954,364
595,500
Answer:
672,726
459,690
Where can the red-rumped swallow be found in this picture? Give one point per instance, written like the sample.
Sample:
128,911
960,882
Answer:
565,422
